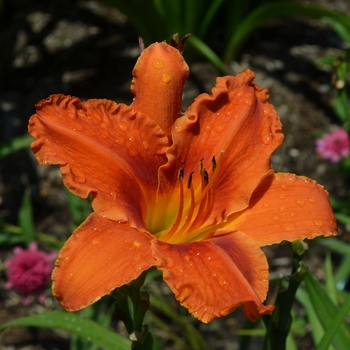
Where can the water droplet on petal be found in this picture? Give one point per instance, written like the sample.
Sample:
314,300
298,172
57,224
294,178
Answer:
69,276
145,78
113,195
248,102
266,139
158,63
276,217
283,209
312,200
123,126
120,140
284,187
145,145
178,128
300,202
219,127
282,196
222,281
319,223
166,78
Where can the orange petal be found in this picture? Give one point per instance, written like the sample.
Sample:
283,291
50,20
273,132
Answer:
159,77
100,256
104,148
237,119
212,278
286,207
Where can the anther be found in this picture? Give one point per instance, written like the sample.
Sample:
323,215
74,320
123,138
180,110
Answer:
189,182
181,174
213,164
206,176
201,166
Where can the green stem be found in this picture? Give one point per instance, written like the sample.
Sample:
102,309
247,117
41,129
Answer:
279,323
138,333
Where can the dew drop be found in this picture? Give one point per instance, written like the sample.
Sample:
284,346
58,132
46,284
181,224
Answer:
266,205
123,126
145,145
312,200
300,202
318,223
248,102
187,258
284,187
222,281
266,139
158,63
219,127
276,217
283,209
282,196
114,196
178,128
132,153
265,111
120,140
166,78
145,78
69,276
239,93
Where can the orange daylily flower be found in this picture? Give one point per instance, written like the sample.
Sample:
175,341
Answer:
193,195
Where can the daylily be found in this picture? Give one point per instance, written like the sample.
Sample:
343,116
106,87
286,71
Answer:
191,194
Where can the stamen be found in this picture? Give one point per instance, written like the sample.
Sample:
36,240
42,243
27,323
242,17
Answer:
213,178
189,182
205,177
181,207
213,164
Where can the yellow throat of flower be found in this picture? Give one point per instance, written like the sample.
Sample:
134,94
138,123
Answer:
187,216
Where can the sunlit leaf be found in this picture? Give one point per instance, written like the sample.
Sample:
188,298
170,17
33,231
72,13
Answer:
326,312
74,324
14,145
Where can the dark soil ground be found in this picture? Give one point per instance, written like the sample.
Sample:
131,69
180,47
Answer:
90,54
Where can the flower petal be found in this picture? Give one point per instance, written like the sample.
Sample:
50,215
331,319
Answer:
212,278
100,256
235,119
286,207
159,77
104,148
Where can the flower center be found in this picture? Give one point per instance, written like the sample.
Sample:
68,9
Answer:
195,206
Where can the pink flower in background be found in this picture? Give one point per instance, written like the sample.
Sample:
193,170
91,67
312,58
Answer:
334,145
29,271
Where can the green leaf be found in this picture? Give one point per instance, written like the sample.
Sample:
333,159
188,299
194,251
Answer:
14,145
25,218
336,323
336,245
326,312
317,330
330,283
74,324
274,10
